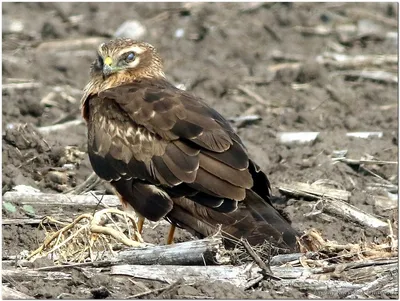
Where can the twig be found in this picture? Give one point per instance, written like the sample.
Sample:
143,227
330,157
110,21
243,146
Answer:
292,66
374,285
359,162
21,86
265,270
313,191
352,214
50,199
244,120
285,258
342,61
376,75
59,127
285,56
70,44
254,95
273,33
155,291
23,221
87,185
333,203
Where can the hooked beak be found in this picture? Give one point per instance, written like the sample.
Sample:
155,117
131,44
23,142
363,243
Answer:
107,68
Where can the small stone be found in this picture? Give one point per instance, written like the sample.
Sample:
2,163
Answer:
131,29
12,26
179,33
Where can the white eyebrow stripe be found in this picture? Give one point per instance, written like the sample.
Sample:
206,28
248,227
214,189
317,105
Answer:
135,49
100,49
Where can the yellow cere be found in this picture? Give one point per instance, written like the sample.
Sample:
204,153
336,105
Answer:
108,61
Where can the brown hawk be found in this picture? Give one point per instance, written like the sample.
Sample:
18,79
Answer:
169,155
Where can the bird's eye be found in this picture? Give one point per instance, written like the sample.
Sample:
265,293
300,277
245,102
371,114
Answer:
130,57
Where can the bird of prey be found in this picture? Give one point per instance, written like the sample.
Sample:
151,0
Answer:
170,155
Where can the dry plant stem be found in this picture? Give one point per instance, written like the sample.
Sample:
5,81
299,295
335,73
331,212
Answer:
59,245
50,199
56,234
95,228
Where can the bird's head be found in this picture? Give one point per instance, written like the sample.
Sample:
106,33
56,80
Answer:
126,58
122,61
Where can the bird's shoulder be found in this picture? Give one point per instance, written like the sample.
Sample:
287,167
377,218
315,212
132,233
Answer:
173,113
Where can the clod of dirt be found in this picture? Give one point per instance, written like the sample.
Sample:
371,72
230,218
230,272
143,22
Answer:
28,159
100,293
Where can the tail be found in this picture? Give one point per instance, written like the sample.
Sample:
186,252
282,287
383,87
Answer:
255,219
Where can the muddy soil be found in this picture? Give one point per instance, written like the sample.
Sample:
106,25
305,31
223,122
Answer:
212,50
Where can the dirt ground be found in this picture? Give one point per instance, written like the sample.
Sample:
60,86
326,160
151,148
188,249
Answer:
213,50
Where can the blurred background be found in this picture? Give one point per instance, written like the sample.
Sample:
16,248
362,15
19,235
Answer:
270,68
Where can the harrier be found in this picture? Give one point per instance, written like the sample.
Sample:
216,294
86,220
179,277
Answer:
169,155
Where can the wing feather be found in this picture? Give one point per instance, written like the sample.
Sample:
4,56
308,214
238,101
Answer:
158,134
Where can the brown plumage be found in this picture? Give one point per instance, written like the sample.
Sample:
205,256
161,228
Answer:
169,155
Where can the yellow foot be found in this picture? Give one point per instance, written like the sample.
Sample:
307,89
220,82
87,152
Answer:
170,238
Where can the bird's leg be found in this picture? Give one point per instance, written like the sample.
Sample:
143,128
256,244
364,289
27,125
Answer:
171,232
140,223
